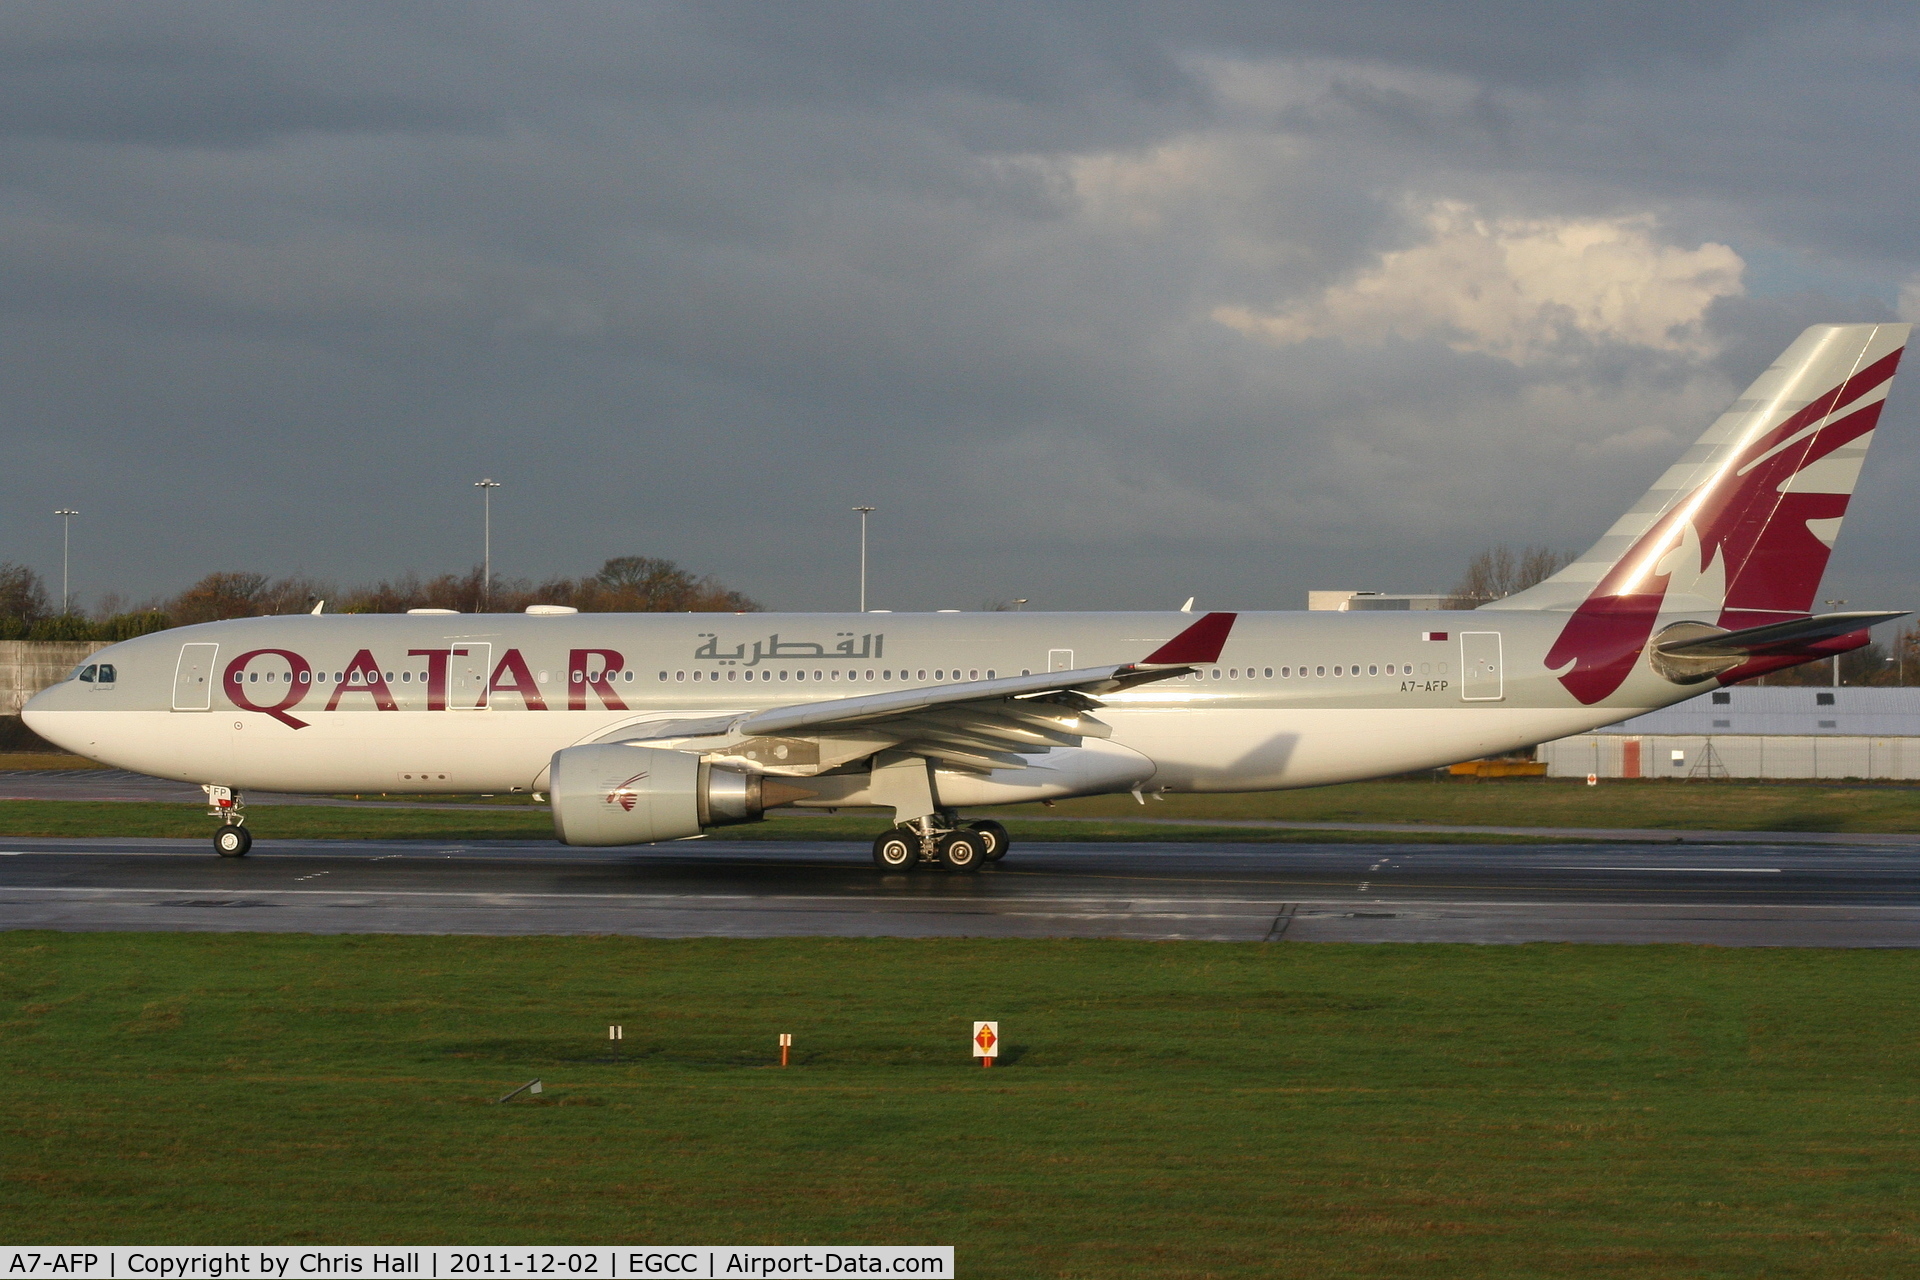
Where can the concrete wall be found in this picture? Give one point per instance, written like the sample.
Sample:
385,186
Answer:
28,666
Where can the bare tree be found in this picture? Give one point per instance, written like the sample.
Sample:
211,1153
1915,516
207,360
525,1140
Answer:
1498,572
23,597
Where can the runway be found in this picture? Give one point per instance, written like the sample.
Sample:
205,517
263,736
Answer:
1732,895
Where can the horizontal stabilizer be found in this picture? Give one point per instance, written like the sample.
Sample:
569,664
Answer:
1772,638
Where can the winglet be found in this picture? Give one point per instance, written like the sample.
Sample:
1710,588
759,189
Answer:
1200,642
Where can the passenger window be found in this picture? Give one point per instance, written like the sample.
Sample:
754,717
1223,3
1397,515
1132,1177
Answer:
973,675
731,674
816,675
923,675
305,676
990,674
1373,669
663,677
1336,671
1269,673
406,677
783,675
1286,672
1216,673
1321,671
869,675
679,675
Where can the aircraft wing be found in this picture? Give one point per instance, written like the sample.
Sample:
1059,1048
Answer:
980,725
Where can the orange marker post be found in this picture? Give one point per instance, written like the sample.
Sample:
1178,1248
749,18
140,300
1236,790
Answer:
786,1043
986,1042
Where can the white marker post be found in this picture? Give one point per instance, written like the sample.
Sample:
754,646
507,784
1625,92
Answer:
986,1042
616,1034
786,1043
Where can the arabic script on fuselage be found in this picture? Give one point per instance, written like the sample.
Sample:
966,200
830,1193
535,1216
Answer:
846,645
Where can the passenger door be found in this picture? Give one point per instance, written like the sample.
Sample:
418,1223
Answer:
193,677
1481,679
469,671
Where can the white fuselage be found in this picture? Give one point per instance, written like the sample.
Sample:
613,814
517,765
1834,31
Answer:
479,703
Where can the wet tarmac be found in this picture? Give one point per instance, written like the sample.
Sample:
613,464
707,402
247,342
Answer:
1737,894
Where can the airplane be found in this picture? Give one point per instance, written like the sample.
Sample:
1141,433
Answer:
655,727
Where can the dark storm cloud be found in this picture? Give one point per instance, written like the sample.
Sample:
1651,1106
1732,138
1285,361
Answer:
1067,290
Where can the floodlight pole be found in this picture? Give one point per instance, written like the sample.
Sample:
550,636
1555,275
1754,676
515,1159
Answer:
864,513
66,542
486,488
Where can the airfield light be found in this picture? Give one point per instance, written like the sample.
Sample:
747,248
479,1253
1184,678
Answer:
486,488
864,513
616,1034
66,529
786,1043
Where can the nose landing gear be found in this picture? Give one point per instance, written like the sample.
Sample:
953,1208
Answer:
233,839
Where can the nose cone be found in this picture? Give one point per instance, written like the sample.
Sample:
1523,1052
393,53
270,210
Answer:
46,713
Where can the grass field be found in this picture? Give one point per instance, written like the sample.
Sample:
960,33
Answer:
1182,1109
1530,802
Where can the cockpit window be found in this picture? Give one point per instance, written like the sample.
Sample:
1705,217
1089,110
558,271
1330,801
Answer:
107,673
87,672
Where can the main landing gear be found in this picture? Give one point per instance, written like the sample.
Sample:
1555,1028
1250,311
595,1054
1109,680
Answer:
233,839
941,840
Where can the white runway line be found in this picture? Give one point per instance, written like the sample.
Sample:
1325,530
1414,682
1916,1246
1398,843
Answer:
1742,871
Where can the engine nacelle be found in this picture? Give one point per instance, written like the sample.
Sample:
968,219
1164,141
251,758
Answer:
610,793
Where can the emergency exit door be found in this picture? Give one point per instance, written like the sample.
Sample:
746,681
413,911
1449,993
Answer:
1481,677
193,677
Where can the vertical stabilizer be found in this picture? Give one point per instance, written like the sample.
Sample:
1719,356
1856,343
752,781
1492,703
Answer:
1737,532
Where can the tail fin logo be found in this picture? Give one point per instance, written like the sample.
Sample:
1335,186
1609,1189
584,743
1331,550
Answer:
623,795
1746,521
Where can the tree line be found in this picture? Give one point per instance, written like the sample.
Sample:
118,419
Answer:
624,584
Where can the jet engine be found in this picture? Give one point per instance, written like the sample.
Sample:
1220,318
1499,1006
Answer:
611,793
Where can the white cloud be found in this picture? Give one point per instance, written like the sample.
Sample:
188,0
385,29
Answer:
1910,300
1518,288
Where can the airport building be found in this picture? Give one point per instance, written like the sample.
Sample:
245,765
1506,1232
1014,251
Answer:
1372,601
1749,732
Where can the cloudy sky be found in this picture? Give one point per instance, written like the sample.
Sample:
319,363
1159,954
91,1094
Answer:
1100,304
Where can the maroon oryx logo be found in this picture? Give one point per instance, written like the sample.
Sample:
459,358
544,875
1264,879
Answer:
623,796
